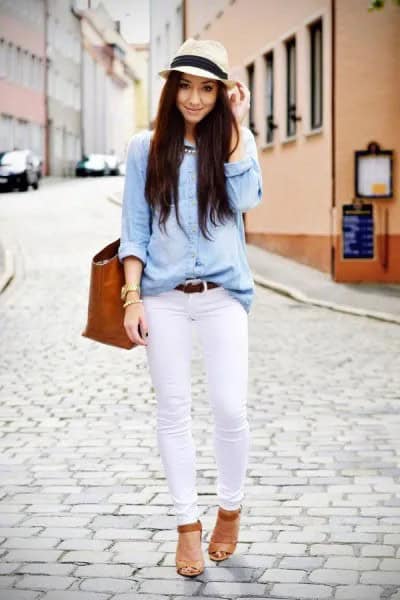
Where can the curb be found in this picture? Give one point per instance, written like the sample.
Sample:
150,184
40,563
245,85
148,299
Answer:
300,297
295,294
9,270
114,198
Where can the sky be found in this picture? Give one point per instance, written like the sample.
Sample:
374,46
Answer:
134,17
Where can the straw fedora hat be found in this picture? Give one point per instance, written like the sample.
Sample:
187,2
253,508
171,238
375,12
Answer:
206,58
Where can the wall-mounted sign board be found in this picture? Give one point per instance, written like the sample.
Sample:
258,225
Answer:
373,172
358,231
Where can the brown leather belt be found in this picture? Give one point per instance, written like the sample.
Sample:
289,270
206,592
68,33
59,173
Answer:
190,288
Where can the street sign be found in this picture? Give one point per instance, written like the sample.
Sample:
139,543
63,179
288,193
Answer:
358,231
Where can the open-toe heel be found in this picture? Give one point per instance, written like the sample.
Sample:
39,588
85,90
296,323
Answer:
186,567
222,543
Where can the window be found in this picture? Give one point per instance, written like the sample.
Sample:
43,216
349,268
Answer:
159,58
18,64
316,74
269,97
11,61
36,133
178,24
291,87
250,81
167,43
33,72
25,69
3,58
41,74
56,34
6,132
58,147
21,134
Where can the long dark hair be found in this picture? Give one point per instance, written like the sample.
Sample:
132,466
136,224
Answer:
213,135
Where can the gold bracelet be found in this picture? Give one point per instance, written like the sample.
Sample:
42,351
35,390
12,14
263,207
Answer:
129,287
128,302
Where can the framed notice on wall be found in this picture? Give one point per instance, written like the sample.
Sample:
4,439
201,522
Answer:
358,241
373,172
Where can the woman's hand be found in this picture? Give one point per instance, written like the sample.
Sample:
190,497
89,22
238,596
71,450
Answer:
239,98
135,317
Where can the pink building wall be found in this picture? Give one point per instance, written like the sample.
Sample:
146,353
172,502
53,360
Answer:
17,100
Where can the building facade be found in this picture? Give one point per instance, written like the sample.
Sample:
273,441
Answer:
324,83
63,87
69,83
22,75
113,78
166,35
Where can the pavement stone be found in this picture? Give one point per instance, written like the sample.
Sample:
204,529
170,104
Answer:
229,589
175,587
381,577
377,550
136,596
44,582
19,595
333,576
358,592
282,575
84,502
302,590
108,584
75,595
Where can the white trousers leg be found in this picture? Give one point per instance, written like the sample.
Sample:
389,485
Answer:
222,326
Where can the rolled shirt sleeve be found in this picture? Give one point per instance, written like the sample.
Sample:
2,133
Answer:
136,213
243,177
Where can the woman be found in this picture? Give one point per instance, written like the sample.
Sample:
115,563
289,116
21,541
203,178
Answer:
183,250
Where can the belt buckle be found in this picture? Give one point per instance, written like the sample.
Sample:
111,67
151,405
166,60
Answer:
191,281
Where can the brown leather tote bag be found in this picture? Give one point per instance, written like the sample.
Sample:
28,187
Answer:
105,320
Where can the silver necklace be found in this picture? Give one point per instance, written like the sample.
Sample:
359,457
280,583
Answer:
189,149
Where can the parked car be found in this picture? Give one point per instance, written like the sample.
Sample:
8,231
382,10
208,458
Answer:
113,163
20,169
122,168
92,164
98,164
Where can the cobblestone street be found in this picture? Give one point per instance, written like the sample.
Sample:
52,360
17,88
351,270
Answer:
85,512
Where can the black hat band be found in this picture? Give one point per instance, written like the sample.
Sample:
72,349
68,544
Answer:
190,60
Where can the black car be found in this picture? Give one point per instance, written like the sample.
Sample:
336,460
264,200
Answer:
20,169
93,164
98,164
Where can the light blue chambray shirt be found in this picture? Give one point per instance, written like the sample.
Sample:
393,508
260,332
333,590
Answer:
170,258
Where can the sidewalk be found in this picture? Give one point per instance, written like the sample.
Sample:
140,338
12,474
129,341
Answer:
308,285
7,258
6,266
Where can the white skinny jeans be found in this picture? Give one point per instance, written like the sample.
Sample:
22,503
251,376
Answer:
222,325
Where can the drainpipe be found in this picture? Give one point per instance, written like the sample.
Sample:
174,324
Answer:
150,65
333,137
78,16
46,92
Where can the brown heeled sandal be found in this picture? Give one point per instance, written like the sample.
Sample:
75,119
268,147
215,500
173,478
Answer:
189,568
220,543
